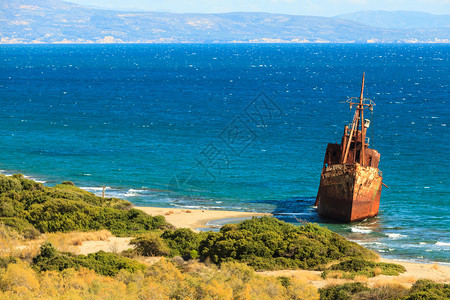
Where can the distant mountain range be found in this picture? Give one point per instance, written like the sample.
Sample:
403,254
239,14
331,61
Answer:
55,21
398,19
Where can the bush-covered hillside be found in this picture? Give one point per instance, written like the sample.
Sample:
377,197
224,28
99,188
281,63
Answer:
268,244
263,243
108,264
28,206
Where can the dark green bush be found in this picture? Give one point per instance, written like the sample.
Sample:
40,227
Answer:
182,241
356,266
382,293
108,264
423,289
68,183
269,244
150,244
27,205
429,290
343,291
18,224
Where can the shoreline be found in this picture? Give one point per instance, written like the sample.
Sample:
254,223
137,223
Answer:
196,219
200,218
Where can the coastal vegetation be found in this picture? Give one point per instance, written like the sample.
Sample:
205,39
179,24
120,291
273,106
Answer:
163,280
270,244
32,208
356,266
205,265
422,289
103,263
263,243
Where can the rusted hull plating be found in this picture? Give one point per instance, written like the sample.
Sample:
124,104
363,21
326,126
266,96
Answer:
349,192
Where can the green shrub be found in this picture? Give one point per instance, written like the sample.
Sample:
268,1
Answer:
423,289
356,266
150,244
18,224
68,183
270,244
382,293
428,290
182,241
108,264
193,253
26,205
343,291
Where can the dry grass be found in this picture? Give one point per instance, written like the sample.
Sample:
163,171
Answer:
66,241
435,267
360,278
9,240
195,266
377,271
13,244
405,282
335,274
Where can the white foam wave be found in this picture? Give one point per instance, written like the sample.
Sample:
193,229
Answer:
395,235
136,191
360,230
95,188
443,244
131,194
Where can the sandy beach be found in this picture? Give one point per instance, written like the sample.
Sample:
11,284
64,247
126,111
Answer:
197,219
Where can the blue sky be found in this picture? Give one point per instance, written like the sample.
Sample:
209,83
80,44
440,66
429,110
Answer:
299,7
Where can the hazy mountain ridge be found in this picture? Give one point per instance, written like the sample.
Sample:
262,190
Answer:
54,21
398,19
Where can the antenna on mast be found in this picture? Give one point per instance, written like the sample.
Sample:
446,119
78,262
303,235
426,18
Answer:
362,89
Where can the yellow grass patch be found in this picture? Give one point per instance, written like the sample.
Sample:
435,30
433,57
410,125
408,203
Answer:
361,278
66,241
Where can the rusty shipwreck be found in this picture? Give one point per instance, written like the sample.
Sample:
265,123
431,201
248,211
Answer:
350,182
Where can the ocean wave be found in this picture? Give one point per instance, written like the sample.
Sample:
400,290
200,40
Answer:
372,243
442,244
95,188
130,194
360,230
10,173
136,191
395,235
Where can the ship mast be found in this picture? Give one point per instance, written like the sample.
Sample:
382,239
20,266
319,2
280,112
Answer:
357,120
363,133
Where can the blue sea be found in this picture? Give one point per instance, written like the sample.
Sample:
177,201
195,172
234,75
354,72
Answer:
235,127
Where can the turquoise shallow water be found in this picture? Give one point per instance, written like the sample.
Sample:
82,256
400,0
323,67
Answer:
236,127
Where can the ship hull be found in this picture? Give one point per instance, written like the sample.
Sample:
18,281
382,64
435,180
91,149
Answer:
349,192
